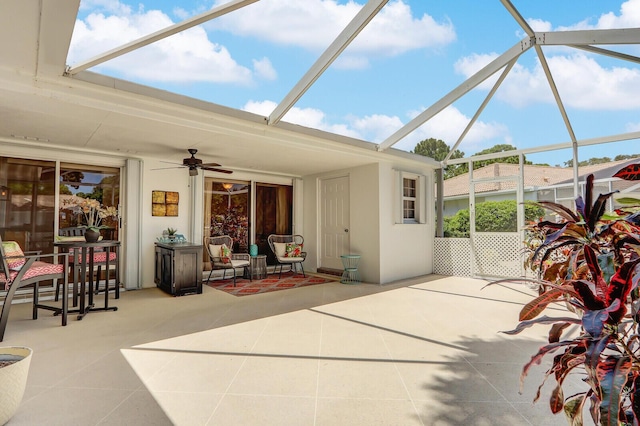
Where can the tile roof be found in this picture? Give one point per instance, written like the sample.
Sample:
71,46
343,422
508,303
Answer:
534,175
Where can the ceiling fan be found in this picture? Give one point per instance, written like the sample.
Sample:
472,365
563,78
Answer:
194,164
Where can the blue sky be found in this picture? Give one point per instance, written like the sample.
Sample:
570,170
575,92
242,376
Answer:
411,54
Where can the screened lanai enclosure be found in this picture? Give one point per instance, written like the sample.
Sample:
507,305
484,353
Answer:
288,95
485,210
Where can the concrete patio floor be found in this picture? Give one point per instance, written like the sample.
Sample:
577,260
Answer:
425,351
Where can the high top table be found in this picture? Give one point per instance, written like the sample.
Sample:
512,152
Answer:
82,260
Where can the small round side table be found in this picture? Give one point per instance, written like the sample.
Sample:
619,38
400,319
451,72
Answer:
258,267
350,274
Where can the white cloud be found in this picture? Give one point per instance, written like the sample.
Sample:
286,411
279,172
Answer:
264,69
538,25
371,128
313,25
633,127
308,117
582,82
376,127
448,125
629,17
185,57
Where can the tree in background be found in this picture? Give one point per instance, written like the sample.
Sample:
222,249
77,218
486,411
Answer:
601,160
514,159
438,150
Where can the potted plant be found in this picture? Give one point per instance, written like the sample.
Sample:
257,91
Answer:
589,261
14,369
171,233
90,213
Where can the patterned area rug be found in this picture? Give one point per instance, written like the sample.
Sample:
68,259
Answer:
245,287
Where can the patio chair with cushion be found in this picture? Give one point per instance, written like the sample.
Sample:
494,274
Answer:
288,251
222,257
18,270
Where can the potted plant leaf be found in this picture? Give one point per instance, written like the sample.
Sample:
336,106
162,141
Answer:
14,369
590,261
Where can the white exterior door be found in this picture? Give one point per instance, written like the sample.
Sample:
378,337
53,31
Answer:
334,219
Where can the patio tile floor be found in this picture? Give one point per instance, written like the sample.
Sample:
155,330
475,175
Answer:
425,351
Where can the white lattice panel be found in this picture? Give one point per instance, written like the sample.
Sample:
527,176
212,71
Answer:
452,256
497,254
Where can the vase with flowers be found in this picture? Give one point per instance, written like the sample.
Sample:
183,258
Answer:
90,213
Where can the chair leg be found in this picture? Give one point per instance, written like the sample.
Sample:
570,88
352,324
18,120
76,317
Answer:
106,281
234,277
57,290
210,273
4,316
280,276
36,291
302,269
65,299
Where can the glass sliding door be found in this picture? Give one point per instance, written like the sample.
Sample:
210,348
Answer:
82,185
27,202
274,215
227,211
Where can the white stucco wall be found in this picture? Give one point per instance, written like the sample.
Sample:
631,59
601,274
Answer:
389,251
406,250
152,226
363,212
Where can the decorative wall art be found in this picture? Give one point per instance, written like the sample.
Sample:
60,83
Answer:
164,203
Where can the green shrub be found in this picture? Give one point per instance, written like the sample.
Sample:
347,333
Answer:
491,216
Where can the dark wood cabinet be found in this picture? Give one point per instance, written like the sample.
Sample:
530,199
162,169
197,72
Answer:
179,268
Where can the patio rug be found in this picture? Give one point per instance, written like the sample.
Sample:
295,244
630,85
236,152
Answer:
245,287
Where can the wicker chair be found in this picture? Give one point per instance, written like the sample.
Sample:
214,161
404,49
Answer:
288,251
232,262
18,270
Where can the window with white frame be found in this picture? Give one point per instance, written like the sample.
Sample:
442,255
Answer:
411,198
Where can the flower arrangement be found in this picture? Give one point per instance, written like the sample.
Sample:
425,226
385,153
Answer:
234,224
90,211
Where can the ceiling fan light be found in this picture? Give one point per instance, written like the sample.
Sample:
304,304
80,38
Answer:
193,171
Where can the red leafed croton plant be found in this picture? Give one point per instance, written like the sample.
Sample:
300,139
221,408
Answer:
590,261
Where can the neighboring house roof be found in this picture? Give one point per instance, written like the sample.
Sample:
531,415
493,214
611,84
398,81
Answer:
604,170
534,175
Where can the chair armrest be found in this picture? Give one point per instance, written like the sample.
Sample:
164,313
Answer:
39,256
303,254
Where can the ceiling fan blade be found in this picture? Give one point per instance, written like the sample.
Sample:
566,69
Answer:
210,165
171,162
166,168
213,169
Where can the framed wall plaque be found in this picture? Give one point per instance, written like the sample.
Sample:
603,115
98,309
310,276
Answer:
164,203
